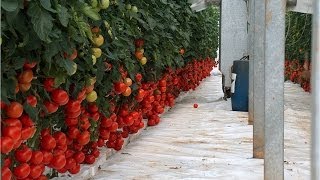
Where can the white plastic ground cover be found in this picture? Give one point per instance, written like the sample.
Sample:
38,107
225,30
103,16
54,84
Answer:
211,142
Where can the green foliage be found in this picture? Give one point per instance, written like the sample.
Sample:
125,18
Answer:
298,35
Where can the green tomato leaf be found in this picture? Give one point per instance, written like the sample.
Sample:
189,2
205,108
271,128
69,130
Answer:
41,21
9,5
63,15
31,111
47,5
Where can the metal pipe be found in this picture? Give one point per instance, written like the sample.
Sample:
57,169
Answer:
315,154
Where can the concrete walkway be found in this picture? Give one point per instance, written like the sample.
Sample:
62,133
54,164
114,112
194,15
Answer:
211,142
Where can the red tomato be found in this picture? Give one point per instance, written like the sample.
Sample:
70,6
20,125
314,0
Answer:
48,142
139,43
90,159
23,155
95,116
49,84
105,122
6,174
114,127
35,171
29,65
6,144
95,152
26,121
73,114
138,77
100,142
12,122
37,157
93,108
104,134
84,138
14,110
60,138
73,106
47,157
82,95
75,169
51,107
22,171
45,132
69,153
195,105
60,97
71,121
73,132
7,162
119,87
3,105
70,163
79,157
32,100
27,132
17,144
58,161
14,132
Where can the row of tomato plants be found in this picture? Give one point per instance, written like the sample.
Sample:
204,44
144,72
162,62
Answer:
27,148
299,73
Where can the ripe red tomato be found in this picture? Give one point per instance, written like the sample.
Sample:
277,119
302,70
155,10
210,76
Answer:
58,161
105,122
114,127
75,114
139,43
51,107
32,100
119,87
73,132
7,162
35,171
49,84
14,110
71,121
69,153
60,96
17,144
195,105
37,157
70,163
29,65
95,152
60,138
104,134
26,121
23,155
22,171
48,142
93,108
100,142
138,77
14,132
6,174
12,122
95,116
84,138
6,144
79,157
82,95
75,169
27,132
90,159
73,106
47,157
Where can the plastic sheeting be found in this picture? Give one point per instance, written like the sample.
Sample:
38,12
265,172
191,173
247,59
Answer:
211,142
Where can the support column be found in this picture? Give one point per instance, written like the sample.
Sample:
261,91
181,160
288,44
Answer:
315,88
258,78
251,60
274,88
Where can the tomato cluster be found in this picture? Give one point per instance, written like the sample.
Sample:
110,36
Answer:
298,73
86,128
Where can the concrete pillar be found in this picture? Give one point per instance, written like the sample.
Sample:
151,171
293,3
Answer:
274,89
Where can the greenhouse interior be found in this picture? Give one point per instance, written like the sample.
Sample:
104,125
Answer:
160,89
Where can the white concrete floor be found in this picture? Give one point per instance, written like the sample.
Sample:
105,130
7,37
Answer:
211,142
